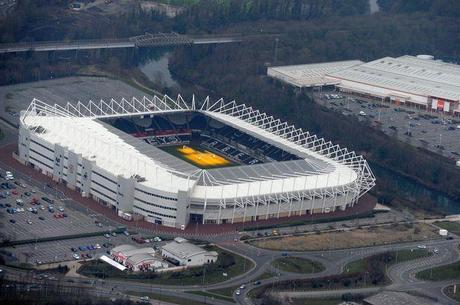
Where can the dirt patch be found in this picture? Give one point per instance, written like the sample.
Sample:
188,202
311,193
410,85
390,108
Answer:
350,239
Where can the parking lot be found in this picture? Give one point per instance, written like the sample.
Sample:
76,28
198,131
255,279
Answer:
28,213
61,250
15,98
32,227
435,132
64,250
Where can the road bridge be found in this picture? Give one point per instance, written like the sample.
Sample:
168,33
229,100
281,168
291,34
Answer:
146,40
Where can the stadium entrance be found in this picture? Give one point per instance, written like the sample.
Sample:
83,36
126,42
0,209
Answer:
196,218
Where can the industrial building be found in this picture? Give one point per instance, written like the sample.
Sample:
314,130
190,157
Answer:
418,81
173,162
186,254
137,259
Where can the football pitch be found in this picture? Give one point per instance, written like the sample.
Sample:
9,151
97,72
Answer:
198,156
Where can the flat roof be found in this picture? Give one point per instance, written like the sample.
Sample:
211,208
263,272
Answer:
124,248
183,249
310,75
407,74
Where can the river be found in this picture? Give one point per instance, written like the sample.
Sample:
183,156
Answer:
374,6
156,69
413,190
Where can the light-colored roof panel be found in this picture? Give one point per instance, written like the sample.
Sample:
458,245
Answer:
310,74
183,249
399,83
113,263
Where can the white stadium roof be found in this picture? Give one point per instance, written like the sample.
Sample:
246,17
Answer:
322,164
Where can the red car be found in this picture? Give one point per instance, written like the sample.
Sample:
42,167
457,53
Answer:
58,215
14,192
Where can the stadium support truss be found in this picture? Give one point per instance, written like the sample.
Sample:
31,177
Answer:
294,137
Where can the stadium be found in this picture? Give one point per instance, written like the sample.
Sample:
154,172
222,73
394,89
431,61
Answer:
174,163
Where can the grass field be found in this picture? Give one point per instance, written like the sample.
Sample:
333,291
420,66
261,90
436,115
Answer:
198,156
165,298
441,273
297,265
449,291
362,265
227,291
327,301
211,295
453,227
363,237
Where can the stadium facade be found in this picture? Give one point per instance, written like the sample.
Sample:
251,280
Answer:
417,81
115,152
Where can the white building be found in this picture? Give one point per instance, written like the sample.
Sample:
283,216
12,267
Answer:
187,254
417,81
137,259
144,261
310,75
82,147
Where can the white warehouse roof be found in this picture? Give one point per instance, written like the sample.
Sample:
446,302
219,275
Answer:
311,74
185,250
407,74
411,75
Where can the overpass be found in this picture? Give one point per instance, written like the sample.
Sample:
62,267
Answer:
142,41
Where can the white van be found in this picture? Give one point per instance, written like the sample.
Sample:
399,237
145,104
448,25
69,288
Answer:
9,176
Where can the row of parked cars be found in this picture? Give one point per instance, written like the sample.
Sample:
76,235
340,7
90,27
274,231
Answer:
78,256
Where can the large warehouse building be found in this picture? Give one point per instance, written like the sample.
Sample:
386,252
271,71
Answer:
417,81
176,163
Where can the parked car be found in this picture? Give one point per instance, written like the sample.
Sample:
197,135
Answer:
12,221
48,200
41,218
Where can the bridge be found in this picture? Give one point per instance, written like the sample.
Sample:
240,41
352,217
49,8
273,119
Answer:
142,41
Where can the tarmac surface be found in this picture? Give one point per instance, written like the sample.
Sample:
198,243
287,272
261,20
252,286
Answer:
15,98
433,131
